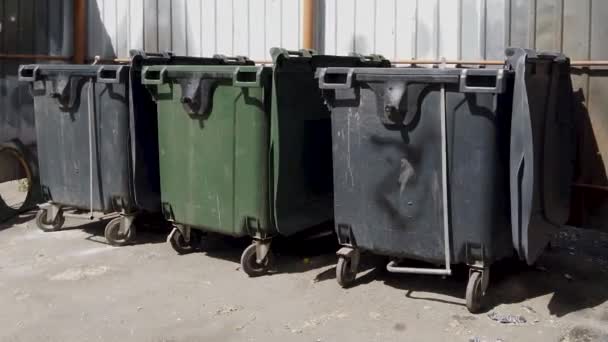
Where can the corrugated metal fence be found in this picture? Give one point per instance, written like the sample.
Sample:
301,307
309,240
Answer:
27,27
193,27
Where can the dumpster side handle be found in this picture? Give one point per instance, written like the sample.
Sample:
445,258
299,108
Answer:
480,81
348,78
153,75
28,73
247,77
109,74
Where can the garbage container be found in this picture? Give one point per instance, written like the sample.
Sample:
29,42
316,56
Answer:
244,151
422,162
97,143
542,148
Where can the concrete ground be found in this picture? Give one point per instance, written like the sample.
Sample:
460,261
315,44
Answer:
71,286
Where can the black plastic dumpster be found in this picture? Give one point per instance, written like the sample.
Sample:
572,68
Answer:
543,148
421,167
97,142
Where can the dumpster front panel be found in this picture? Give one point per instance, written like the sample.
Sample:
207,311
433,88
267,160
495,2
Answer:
214,166
62,126
387,169
387,176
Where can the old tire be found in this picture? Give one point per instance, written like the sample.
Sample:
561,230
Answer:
179,244
250,264
344,273
474,293
43,224
114,236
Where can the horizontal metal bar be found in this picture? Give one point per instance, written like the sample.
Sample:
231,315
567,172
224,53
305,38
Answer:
40,57
591,186
414,270
490,62
574,63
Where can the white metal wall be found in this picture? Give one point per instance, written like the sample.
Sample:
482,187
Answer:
194,27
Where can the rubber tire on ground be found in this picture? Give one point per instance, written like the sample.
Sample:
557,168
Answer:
474,293
344,274
111,233
44,225
179,244
250,265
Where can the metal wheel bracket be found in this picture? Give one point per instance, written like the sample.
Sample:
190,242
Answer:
350,253
485,276
262,248
185,230
52,211
126,223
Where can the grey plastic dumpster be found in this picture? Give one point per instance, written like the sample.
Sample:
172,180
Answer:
97,142
421,166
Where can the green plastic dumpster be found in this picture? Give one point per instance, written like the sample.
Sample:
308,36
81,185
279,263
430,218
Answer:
241,157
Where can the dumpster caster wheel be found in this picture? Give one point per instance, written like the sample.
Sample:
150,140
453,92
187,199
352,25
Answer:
474,293
43,223
179,243
250,264
114,236
344,272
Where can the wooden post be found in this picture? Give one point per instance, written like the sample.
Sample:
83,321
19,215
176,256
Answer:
80,31
308,24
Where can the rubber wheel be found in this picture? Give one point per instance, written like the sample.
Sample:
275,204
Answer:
344,274
179,244
474,294
45,225
113,235
250,264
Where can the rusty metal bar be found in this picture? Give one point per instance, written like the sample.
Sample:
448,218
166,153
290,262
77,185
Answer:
308,24
488,62
426,62
80,31
40,57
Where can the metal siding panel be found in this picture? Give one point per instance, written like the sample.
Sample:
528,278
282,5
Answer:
473,29
225,27
385,28
151,25
345,27
449,28
426,29
329,27
497,28
122,28
549,25
165,35
522,23
273,24
598,83
194,37
109,21
290,24
405,31
42,27
241,27
365,21
257,28
136,24
206,31
178,27
576,28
